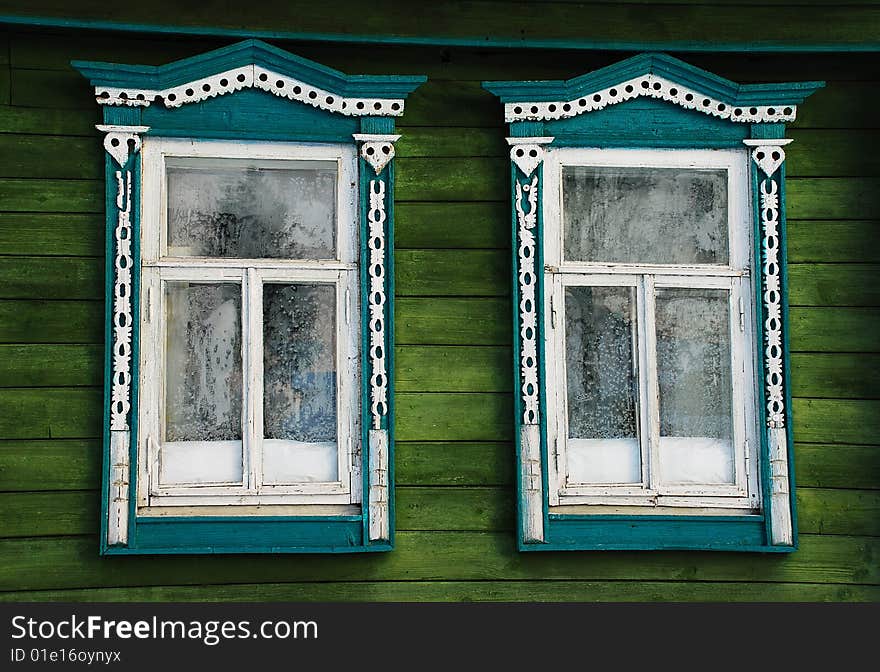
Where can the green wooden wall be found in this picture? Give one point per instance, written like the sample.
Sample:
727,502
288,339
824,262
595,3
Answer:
455,459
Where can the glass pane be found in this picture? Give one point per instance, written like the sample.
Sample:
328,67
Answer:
248,209
645,215
601,358
299,373
694,371
203,383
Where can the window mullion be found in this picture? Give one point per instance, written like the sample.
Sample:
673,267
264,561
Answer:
650,390
253,338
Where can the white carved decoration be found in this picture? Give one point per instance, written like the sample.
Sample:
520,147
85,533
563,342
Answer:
768,154
526,221
120,398
772,304
527,153
250,76
652,86
376,216
377,150
122,141
379,515
532,483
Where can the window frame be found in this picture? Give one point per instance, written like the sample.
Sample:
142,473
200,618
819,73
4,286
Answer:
648,102
250,274
249,94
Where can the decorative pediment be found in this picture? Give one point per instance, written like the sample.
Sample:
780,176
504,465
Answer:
655,76
248,64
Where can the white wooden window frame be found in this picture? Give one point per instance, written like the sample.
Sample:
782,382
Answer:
650,496
342,273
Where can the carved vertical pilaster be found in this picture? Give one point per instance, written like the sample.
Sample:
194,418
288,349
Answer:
527,154
122,144
768,157
377,152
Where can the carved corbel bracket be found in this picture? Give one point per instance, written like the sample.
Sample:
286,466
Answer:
376,149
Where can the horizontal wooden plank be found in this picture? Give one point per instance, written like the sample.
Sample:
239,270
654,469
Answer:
51,278
452,225
833,198
20,195
51,156
466,591
827,153
441,142
832,241
845,376
840,104
842,466
51,321
37,365
57,464
835,329
854,512
452,417
452,463
469,179
73,562
452,272
5,88
473,509
45,413
450,369
450,104
58,89
46,121
482,20
836,420
833,285
57,235
450,321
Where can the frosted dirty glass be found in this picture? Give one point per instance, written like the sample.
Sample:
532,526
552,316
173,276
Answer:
645,215
602,385
233,208
299,373
203,377
694,372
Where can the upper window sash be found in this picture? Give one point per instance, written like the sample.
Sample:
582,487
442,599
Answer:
155,197
735,162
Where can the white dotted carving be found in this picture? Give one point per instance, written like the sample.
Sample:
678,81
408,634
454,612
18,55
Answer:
120,396
526,221
652,86
769,158
772,304
376,271
377,150
527,153
250,76
122,141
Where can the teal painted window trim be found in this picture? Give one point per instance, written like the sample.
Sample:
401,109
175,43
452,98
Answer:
653,121
242,115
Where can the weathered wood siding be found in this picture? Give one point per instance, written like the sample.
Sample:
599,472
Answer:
455,508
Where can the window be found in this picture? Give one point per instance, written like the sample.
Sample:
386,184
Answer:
250,335
650,336
647,276
249,367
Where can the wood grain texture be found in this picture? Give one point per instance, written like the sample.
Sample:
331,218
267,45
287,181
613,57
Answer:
454,376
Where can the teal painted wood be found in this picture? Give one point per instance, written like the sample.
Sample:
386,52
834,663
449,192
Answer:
250,115
648,122
246,115
692,46
660,533
661,65
241,54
